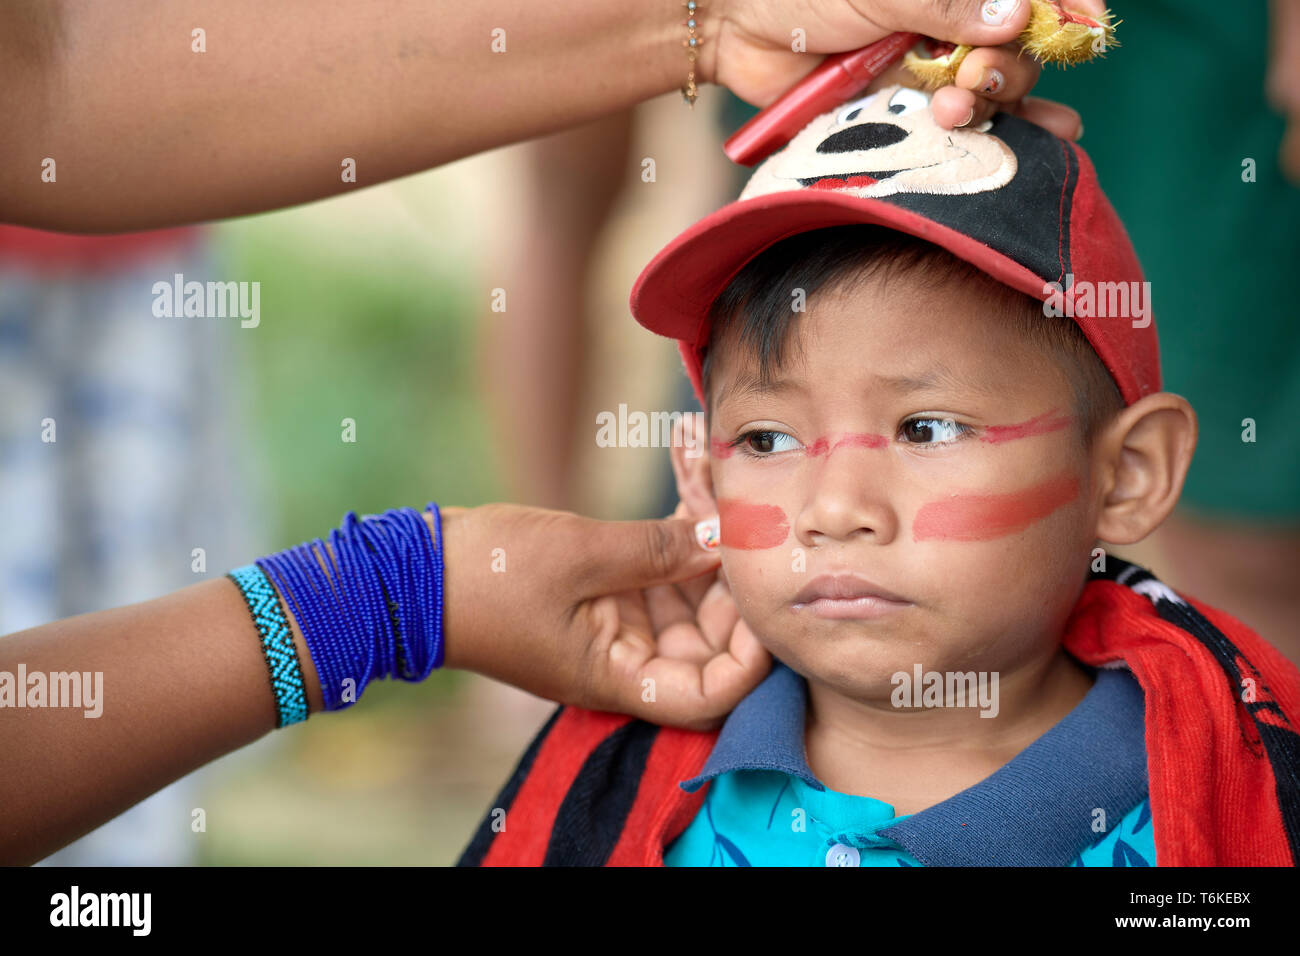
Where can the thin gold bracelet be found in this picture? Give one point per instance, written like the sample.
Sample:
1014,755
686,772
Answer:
692,43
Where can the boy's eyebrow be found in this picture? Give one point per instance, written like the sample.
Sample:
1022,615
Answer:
937,377
746,384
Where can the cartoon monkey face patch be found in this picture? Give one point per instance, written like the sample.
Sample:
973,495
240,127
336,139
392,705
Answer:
885,143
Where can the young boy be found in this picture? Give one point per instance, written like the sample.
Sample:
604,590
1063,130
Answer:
933,397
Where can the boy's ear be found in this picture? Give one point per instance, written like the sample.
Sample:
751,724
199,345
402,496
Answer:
690,455
1144,456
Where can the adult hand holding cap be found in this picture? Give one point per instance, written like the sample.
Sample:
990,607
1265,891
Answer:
588,612
788,81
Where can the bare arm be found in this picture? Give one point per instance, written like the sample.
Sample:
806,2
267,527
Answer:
184,682
145,131
184,679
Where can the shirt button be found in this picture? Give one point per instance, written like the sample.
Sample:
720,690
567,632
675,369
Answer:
841,855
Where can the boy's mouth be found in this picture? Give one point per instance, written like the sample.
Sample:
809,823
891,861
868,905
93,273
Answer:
839,596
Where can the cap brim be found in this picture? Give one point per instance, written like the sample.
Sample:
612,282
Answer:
673,294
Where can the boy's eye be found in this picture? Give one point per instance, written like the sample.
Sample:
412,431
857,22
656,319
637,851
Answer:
932,431
766,442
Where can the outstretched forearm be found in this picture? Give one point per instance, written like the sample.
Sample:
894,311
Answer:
184,679
183,682
146,131
178,682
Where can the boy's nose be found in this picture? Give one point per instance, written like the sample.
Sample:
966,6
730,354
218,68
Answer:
847,500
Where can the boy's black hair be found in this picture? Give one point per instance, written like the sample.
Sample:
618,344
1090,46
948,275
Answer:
756,311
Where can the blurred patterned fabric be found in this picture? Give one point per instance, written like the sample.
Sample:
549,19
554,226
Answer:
140,472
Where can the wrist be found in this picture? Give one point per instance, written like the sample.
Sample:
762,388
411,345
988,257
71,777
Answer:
367,601
458,644
712,16
670,34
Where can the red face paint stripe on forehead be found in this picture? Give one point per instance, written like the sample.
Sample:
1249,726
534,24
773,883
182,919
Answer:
1039,425
751,527
984,517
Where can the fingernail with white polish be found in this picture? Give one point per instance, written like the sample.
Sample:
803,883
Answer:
966,122
997,12
993,81
708,533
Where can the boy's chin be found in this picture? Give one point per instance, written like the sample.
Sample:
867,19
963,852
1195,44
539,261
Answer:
855,662
873,688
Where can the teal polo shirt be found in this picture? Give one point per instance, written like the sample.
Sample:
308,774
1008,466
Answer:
1077,796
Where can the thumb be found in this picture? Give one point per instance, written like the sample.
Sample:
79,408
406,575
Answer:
640,554
976,22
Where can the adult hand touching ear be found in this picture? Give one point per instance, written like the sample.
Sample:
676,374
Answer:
560,605
754,58
586,612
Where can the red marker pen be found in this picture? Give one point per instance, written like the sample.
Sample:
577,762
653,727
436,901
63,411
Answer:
835,81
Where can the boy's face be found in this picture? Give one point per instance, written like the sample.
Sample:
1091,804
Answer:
915,442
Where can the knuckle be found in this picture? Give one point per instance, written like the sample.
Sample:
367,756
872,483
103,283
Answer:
583,556
950,11
658,544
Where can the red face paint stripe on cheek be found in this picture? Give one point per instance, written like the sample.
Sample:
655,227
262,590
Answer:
1039,425
984,517
751,527
720,449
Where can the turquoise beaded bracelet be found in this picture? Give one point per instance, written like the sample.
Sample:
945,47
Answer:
277,643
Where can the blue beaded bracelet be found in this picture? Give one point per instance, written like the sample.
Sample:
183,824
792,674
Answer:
370,604
277,643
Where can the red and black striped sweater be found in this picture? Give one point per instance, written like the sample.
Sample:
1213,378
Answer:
600,789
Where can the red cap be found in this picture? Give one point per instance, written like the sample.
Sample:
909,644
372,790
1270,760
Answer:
1008,197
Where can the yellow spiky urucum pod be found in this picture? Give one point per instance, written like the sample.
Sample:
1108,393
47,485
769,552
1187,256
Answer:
1053,35
935,64
1057,35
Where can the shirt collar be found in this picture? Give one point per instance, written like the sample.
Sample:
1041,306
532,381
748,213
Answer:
1037,810
764,732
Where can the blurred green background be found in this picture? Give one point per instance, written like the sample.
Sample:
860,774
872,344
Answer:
379,329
